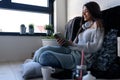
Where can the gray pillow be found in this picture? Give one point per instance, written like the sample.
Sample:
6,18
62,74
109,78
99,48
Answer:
31,70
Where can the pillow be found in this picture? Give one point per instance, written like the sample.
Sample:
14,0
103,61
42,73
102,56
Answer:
31,70
108,52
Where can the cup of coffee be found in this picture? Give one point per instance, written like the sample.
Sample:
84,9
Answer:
46,72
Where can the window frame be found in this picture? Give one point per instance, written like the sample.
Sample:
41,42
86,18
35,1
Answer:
7,4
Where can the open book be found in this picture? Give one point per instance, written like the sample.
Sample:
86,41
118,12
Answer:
59,35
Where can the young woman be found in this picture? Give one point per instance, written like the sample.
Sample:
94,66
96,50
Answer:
89,38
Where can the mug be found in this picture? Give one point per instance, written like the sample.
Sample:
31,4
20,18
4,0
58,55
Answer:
46,72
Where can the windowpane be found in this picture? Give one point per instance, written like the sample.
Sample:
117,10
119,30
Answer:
33,2
10,20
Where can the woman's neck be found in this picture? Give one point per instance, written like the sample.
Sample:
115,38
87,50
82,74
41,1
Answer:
87,24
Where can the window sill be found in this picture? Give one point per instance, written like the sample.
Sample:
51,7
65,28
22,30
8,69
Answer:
18,34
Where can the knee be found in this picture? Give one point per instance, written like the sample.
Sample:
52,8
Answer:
48,59
45,58
44,48
40,50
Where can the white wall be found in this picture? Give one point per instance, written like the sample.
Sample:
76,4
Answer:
60,15
18,48
75,6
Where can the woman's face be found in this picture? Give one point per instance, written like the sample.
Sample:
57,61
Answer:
86,14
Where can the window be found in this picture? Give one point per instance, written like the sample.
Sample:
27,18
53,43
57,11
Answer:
32,2
10,20
13,13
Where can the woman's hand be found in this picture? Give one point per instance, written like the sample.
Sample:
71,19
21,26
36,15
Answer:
63,42
70,43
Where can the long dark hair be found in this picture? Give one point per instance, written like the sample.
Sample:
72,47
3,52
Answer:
95,12
94,9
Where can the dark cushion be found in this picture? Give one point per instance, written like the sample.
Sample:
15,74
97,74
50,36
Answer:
72,27
108,52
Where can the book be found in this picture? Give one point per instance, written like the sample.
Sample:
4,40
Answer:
61,36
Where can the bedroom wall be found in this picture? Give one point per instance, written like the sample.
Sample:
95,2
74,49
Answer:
18,48
74,7
60,15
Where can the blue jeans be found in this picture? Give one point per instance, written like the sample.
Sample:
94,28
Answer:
53,56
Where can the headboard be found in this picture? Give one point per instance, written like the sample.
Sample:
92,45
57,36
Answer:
111,18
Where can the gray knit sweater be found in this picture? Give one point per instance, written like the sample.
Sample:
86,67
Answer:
90,41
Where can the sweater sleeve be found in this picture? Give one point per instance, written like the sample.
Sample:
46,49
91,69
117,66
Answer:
93,45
